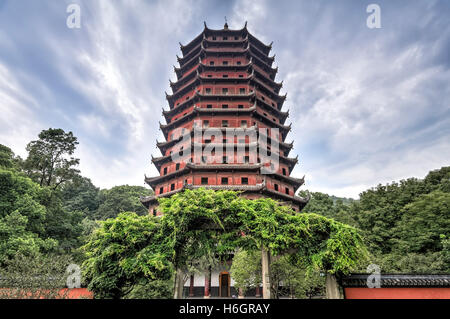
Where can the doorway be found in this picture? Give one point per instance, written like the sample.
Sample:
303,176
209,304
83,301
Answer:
224,284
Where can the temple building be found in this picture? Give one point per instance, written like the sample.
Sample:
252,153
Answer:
226,91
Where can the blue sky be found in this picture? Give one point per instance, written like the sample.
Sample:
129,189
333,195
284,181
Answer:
368,106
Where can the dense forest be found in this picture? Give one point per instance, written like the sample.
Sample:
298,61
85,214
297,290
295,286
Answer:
46,206
48,210
406,224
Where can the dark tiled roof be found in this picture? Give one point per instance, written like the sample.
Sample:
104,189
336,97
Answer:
398,280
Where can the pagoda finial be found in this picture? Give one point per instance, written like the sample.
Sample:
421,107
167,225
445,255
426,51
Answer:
204,23
225,27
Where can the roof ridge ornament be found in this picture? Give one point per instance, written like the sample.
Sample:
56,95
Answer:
225,26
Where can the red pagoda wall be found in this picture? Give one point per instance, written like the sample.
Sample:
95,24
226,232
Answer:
225,79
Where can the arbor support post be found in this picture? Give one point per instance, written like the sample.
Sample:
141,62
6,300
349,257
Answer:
265,263
179,282
332,287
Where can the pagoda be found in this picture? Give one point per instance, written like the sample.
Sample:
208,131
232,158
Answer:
225,83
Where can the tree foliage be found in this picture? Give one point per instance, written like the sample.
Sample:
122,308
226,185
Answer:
119,199
125,255
246,269
34,277
50,161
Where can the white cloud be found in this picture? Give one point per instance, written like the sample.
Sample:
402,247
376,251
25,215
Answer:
17,122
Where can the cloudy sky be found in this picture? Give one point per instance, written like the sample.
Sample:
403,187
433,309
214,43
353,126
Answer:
368,106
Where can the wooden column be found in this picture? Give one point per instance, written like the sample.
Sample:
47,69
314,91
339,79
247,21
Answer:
265,261
207,284
257,292
191,286
241,293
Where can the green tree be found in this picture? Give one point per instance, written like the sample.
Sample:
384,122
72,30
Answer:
62,225
50,161
81,195
290,279
127,255
123,198
8,159
16,239
246,269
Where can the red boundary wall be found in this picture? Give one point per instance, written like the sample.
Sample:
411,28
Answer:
397,293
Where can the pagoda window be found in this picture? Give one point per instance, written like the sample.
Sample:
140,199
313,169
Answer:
224,159
244,180
241,76
276,187
177,167
224,91
246,159
204,180
225,63
206,123
214,38
238,62
165,171
284,171
242,90
187,97
287,190
273,104
224,181
172,187
208,90
209,106
244,124
204,159
224,106
236,38
207,141
240,106
211,62
225,38
225,75
262,97
225,123
161,190
209,75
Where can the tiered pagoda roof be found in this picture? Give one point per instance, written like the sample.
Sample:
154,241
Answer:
226,82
